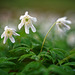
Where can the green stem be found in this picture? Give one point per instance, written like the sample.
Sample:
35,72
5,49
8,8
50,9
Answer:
46,36
66,58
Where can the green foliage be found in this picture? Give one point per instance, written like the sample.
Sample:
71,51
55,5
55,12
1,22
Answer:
61,70
4,61
24,57
70,63
2,72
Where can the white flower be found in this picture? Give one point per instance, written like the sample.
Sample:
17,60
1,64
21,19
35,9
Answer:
27,21
8,32
62,24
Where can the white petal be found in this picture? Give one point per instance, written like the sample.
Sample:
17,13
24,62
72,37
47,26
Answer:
21,17
27,29
61,19
68,21
67,27
5,38
3,34
16,34
12,39
6,27
33,28
64,17
34,19
20,25
26,13
12,29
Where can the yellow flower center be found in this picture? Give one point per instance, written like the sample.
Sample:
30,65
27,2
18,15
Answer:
26,20
8,32
59,22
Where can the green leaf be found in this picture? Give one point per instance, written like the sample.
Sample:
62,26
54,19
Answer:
35,57
25,56
12,73
35,68
66,58
72,51
70,63
45,54
26,41
5,61
68,69
2,72
20,49
57,54
20,45
57,69
12,58
20,73
32,65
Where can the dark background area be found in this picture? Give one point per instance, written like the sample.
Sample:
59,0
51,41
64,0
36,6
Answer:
39,5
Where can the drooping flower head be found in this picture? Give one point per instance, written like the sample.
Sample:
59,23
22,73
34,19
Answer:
27,21
62,24
8,32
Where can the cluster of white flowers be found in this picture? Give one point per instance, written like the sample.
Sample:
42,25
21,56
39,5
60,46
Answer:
26,20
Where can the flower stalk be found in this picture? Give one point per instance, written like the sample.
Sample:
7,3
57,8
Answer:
46,36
